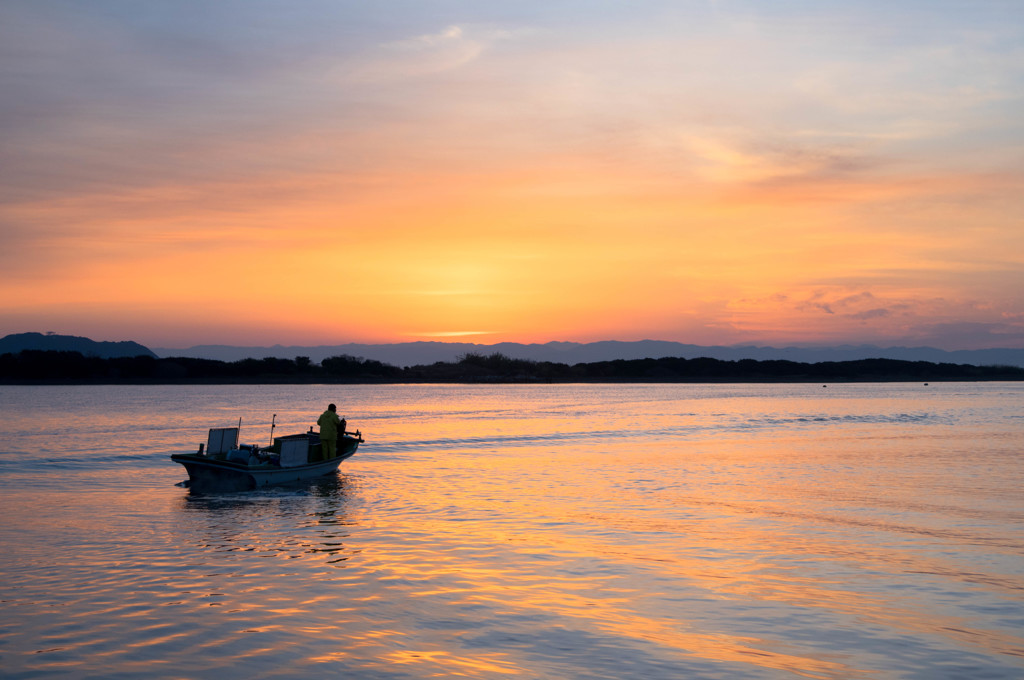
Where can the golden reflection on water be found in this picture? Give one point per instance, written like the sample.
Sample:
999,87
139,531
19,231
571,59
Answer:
446,664
733,519
571,533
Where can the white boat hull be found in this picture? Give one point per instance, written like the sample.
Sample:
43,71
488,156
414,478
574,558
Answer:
208,473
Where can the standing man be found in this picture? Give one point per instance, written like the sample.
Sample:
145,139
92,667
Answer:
329,422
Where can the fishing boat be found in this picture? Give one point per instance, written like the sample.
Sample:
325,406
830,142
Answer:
225,465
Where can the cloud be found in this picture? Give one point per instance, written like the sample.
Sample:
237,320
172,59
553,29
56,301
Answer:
428,43
448,334
877,313
884,315
430,54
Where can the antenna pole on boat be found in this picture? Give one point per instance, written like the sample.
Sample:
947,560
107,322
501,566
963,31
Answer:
272,426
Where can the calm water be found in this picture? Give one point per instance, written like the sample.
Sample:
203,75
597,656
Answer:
637,531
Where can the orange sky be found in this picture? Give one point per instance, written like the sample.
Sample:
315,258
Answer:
706,172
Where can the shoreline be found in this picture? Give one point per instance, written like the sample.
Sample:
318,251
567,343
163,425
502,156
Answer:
35,367
503,381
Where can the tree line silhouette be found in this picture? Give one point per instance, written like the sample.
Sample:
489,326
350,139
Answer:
59,367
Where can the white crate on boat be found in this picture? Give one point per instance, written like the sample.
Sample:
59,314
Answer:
222,440
294,452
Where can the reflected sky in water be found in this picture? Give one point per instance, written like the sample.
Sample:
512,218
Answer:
568,531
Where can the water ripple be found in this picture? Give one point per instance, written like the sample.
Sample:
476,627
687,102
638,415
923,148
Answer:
712,532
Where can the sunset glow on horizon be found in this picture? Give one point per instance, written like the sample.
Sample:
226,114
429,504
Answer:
182,173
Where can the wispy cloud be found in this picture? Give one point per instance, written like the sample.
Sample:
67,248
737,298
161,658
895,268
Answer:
447,334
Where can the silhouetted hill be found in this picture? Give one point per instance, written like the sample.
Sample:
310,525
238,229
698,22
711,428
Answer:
18,342
419,353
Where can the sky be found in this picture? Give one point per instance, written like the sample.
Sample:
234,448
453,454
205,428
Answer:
328,171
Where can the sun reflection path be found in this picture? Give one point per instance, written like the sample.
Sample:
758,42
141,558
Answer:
535,585
731,550
451,664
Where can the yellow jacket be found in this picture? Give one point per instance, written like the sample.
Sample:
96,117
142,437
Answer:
328,422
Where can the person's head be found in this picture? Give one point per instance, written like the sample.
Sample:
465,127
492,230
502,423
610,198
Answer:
332,407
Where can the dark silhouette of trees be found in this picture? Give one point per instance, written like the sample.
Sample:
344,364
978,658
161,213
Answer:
47,366
356,369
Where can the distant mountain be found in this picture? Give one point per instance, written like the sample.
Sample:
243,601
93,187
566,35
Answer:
422,353
17,342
